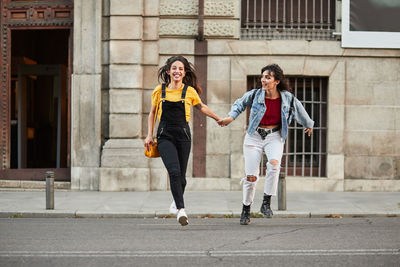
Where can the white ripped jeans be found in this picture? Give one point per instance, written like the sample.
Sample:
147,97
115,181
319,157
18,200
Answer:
253,148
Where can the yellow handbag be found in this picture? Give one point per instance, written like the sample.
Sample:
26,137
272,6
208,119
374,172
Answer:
153,153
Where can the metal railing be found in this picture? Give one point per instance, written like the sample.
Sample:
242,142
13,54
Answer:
303,155
288,19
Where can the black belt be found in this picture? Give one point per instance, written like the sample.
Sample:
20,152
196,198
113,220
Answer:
264,132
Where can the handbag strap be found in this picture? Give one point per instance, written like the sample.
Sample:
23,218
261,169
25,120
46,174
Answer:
156,113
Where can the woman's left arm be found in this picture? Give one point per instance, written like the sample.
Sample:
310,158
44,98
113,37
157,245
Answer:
302,117
207,111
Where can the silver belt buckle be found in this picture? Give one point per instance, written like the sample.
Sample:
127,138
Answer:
262,132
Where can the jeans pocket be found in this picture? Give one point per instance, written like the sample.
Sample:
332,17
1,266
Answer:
160,131
187,134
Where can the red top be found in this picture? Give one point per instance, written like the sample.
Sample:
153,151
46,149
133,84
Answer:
272,115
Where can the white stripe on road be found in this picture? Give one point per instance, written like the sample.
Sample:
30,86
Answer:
233,253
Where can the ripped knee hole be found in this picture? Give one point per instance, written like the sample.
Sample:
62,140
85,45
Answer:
274,162
251,178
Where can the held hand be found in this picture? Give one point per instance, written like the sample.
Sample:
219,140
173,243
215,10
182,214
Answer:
225,121
147,142
308,131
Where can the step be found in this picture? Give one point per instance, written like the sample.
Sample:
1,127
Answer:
29,185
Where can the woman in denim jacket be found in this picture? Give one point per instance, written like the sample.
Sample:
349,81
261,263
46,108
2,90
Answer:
267,131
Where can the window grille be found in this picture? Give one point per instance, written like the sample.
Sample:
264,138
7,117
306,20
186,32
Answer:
288,19
303,155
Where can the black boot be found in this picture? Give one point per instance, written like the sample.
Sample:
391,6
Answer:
245,217
266,206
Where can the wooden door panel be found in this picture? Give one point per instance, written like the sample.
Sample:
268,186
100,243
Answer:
38,13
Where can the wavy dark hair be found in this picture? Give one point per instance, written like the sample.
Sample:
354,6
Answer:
277,72
190,77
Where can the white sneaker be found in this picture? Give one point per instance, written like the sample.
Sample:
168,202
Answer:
172,208
182,217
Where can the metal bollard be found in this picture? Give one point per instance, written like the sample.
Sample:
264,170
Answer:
282,191
50,190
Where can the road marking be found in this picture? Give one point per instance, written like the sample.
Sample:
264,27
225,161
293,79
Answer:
255,224
233,253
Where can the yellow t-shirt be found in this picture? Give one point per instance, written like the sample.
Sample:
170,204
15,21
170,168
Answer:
192,98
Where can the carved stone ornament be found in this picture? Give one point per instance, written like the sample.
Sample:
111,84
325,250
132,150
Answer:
181,27
178,7
214,8
221,8
36,13
219,28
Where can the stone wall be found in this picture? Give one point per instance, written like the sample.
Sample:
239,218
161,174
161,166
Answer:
363,140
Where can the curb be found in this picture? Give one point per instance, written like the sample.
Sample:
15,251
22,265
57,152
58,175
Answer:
216,215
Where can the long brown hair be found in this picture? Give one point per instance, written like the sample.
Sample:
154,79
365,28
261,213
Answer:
278,75
190,77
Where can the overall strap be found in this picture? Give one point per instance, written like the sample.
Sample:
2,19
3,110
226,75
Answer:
183,96
163,91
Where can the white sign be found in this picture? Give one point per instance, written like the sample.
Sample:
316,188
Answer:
371,23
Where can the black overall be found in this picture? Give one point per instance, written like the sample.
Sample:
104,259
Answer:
174,142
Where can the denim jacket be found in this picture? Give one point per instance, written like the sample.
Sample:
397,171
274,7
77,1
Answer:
258,109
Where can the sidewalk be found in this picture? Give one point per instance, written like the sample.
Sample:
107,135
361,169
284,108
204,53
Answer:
211,203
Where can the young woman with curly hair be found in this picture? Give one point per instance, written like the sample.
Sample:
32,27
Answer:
267,131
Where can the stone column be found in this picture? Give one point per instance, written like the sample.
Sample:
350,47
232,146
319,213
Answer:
336,126
86,95
133,62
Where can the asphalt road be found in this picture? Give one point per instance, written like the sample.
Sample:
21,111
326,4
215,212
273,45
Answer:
204,242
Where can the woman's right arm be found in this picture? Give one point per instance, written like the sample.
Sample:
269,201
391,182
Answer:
150,125
238,107
240,104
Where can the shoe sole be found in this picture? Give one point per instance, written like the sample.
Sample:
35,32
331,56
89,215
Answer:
183,220
265,215
173,212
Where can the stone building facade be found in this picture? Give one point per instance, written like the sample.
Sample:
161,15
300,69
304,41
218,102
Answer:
119,46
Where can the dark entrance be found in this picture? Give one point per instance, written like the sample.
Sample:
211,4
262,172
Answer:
35,94
39,97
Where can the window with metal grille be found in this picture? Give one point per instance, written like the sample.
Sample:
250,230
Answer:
288,19
303,155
